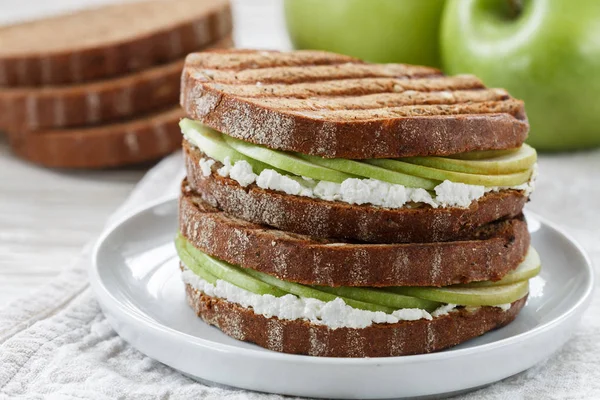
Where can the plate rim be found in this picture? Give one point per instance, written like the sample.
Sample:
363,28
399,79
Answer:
102,293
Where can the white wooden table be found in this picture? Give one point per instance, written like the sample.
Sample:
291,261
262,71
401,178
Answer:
47,216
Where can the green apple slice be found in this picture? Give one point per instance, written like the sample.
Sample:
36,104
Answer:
468,296
521,160
225,271
441,175
482,154
311,292
212,144
371,171
375,296
529,268
193,265
287,162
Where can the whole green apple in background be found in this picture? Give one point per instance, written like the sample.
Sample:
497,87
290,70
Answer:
546,52
404,31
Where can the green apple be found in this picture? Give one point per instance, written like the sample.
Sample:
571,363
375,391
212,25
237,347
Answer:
546,52
371,171
468,296
453,176
211,142
483,154
521,160
191,263
376,296
286,161
404,31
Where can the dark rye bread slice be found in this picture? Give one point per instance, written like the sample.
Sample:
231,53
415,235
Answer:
92,103
496,250
139,140
336,219
378,340
331,105
108,41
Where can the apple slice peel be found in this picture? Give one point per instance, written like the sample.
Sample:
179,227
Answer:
514,162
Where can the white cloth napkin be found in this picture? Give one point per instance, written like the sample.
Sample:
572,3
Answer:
56,343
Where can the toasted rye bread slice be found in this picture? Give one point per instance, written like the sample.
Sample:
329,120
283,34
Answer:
27,109
497,249
139,140
377,340
108,41
336,219
331,105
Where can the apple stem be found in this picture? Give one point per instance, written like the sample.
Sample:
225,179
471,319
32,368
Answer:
515,6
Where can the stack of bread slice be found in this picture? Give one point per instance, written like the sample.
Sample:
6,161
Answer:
100,87
338,208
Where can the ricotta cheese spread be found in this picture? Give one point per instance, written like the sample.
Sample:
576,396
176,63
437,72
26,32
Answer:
334,314
358,191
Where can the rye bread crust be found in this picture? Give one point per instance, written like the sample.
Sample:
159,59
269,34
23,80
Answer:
432,117
377,340
497,249
335,219
205,23
51,107
135,141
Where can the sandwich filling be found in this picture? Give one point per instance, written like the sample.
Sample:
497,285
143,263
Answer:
349,307
391,183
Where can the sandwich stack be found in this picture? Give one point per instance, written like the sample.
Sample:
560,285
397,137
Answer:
338,208
100,87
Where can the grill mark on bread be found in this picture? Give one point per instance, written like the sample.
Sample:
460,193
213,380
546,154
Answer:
377,340
423,111
348,109
238,59
386,100
498,249
342,220
351,87
313,73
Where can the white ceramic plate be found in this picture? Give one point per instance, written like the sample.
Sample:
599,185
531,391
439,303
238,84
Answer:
136,279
